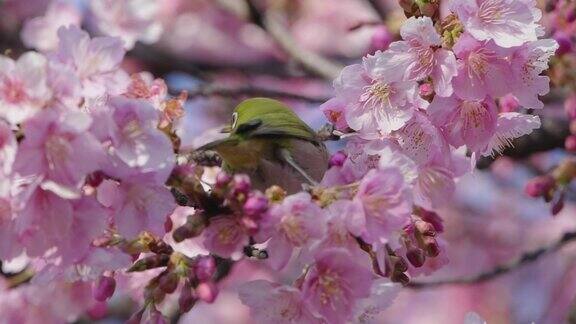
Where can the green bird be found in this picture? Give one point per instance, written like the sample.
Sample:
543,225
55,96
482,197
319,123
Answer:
271,144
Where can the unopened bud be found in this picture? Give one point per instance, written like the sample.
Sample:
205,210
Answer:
509,103
398,264
558,206
193,227
570,143
431,246
381,39
222,179
168,282
573,125
104,288
156,318
432,218
186,300
564,43
416,257
337,159
424,228
241,185
136,318
205,268
570,107
400,277
151,262
565,171
207,292
255,205
540,186
428,7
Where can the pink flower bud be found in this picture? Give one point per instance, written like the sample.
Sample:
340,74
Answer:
540,186
207,292
425,228
570,144
136,318
223,179
255,205
570,106
432,247
156,318
104,288
425,90
205,268
573,126
433,218
509,103
168,224
381,39
416,257
186,300
564,43
98,311
337,159
241,184
558,206
168,282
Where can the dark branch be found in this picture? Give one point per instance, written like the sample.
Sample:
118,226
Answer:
248,91
269,21
526,258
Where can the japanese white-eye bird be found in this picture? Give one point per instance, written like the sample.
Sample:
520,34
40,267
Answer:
272,145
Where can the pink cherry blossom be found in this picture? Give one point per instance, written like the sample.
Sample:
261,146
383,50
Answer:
59,148
386,201
136,145
23,87
375,106
131,20
465,122
138,205
334,110
508,23
42,32
528,62
95,61
482,69
225,236
8,147
345,220
509,126
334,285
420,140
295,223
419,56
272,303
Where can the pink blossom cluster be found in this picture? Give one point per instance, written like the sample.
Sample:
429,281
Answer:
130,20
85,152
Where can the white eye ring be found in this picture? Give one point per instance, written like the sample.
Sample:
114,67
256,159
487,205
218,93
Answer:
234,119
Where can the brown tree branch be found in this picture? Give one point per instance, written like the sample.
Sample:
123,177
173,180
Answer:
269,21
526,258
249,91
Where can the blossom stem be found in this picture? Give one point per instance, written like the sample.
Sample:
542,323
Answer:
526,258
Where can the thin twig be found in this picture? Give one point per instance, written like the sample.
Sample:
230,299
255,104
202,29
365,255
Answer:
526,258
248,91
269,21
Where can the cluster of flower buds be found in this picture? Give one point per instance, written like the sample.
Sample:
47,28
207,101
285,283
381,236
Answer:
552,186
416,8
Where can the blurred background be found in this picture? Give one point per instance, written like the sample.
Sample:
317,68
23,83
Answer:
222,51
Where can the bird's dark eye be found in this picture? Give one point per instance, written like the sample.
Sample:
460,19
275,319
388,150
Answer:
234,119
